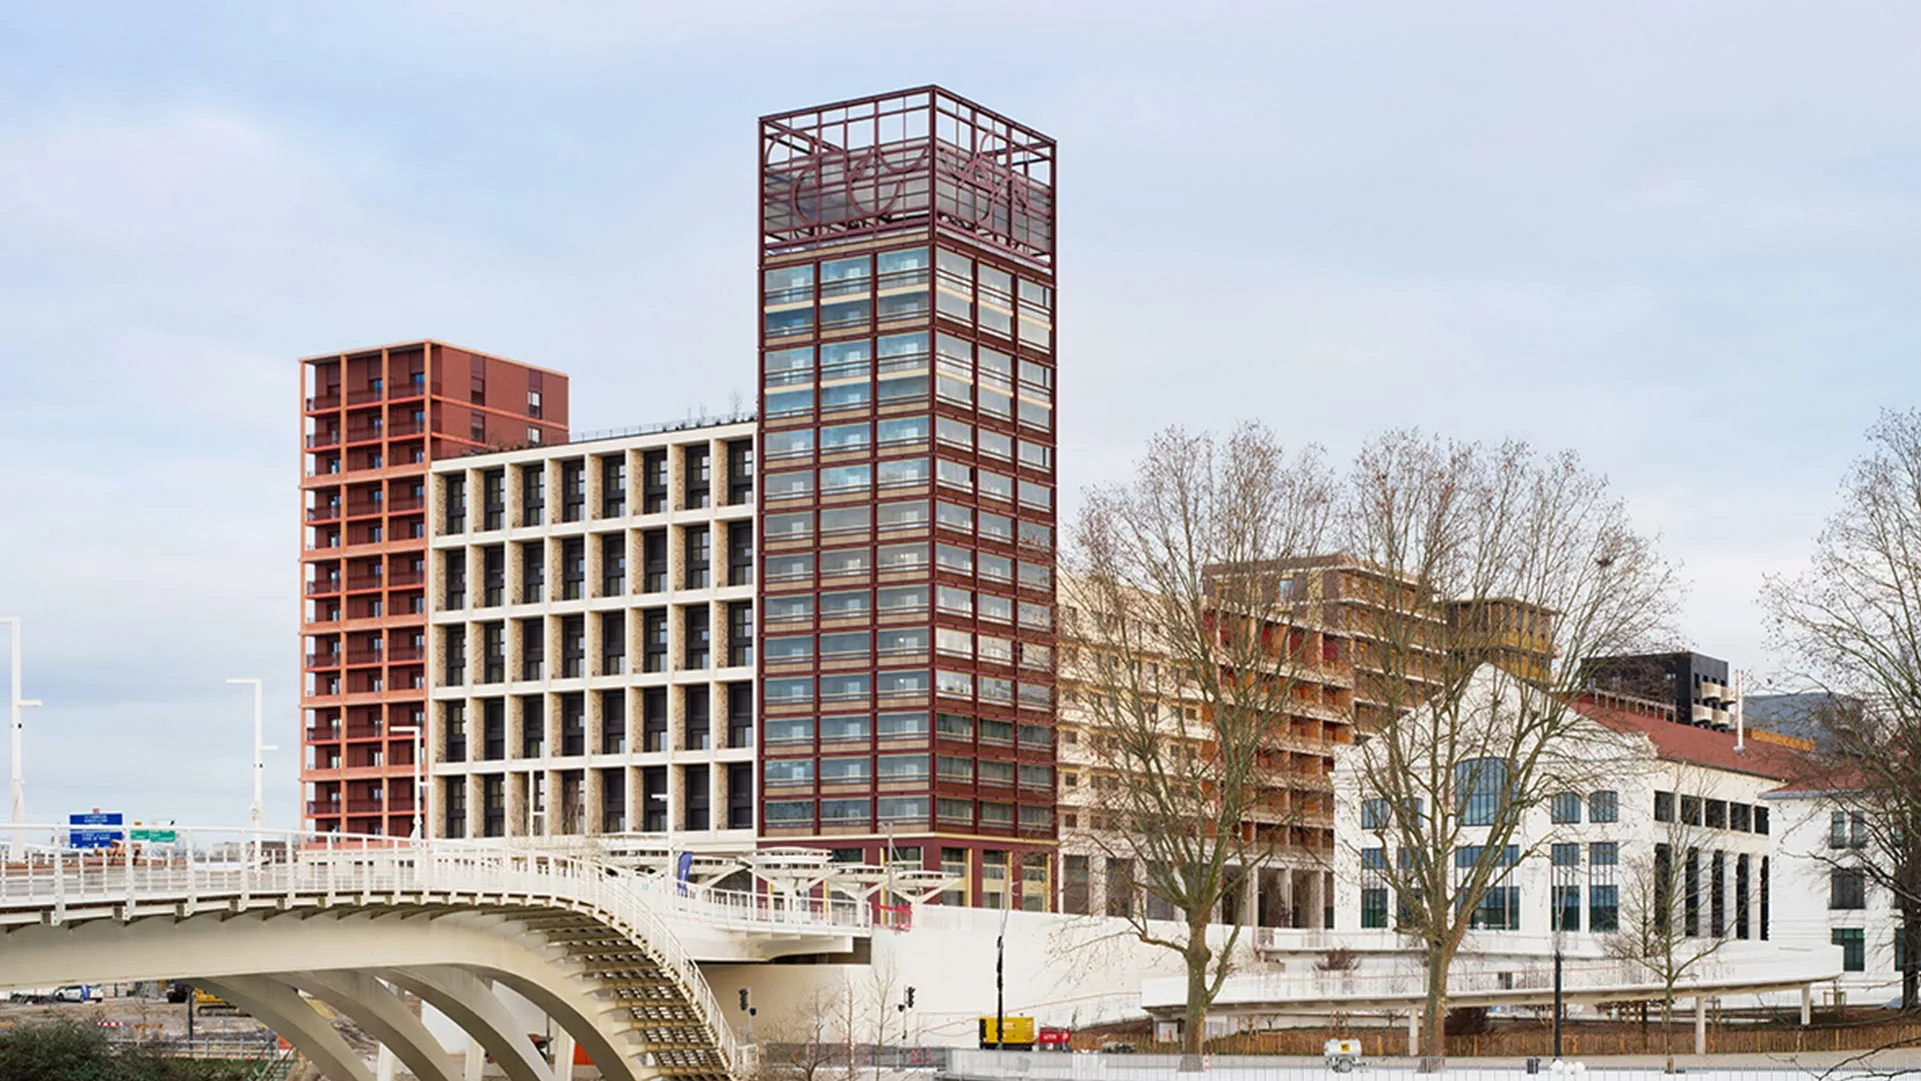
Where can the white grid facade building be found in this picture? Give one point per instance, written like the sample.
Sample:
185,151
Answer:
591,665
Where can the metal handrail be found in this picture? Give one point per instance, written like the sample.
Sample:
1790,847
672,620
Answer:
691,423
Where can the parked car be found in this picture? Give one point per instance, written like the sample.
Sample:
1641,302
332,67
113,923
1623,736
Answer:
73,992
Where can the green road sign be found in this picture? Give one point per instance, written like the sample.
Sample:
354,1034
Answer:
154,836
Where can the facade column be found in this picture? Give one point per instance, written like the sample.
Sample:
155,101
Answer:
1807,1005
1313,905
1700,1025
1414,1032
592,792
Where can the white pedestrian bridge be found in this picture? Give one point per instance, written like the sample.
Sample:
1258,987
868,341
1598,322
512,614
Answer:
273,921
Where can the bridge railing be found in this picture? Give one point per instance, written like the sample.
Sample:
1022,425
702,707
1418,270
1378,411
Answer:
42,873
220,857
751,907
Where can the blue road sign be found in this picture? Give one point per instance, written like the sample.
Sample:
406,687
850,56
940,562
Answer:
78,837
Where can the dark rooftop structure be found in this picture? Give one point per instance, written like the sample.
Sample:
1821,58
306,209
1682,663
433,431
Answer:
1697,685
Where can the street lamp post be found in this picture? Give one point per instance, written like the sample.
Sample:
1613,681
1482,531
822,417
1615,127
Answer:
18,703
1000,968
1558,921
420,787
257,813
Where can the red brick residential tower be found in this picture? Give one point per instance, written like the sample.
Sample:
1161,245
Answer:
373,419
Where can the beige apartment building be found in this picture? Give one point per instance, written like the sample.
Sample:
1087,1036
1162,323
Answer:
1345,621
592,640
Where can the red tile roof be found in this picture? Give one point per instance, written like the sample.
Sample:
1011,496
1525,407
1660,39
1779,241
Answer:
1698,746
1816,782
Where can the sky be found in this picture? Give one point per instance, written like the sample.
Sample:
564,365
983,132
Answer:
1679,239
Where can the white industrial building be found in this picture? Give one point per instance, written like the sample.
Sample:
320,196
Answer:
1823,898
1574,853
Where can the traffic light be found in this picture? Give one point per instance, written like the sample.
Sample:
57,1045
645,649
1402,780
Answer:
743,998
910,998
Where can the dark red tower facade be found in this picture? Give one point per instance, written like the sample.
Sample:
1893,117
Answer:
908,530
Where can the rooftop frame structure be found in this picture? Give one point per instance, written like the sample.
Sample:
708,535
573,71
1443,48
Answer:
874,164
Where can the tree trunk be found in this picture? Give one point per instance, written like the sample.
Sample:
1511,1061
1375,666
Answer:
1667,1026
1434,1013
1910,948
1194,1014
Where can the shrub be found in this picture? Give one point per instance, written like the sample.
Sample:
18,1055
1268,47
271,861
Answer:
61,1051
75,1051
1468,1021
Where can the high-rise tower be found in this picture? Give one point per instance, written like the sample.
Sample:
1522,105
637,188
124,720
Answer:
907,432
374,418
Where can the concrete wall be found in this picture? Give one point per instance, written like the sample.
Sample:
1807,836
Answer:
1061,970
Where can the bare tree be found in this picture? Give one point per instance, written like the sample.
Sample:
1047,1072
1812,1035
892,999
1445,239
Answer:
847,1022
1850,626
803,1043
1179,653
1666,925
1493,570
883,983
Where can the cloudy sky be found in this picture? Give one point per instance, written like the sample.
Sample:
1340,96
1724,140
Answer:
1679,238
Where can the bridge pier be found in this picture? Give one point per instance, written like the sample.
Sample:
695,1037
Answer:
563,1053
615,1063
280,1008
1807,1005
377,1010
1700,1025
1414,1032
470,1002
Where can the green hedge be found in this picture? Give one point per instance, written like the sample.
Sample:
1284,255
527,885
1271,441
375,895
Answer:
72,1051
